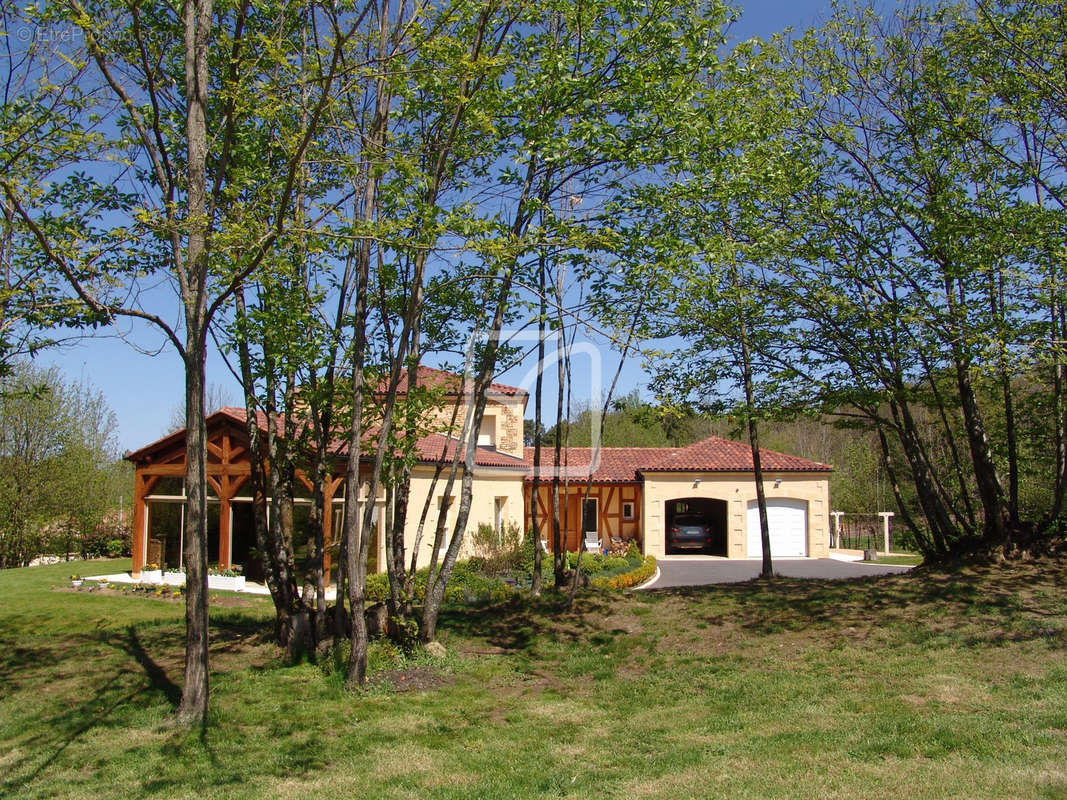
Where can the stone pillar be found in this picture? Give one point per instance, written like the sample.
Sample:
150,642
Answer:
886,516
835,529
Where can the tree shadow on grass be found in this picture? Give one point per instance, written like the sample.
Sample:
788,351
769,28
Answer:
62,730
91,704
980,606
132,645
519,624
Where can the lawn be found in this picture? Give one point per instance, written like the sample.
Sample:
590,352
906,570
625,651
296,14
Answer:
906,559
927,685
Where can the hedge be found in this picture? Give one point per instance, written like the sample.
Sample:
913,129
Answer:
627,579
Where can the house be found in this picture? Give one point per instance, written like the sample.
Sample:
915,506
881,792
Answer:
635,493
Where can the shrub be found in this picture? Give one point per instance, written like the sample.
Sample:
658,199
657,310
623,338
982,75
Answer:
625,580
499,552
466,585
526,553
596,564
107,539
377,590
485,539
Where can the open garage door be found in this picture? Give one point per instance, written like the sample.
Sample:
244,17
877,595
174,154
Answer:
787,521
696,525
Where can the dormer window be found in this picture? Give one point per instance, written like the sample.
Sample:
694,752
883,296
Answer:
487,431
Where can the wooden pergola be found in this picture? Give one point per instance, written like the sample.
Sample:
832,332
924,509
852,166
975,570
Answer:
228,471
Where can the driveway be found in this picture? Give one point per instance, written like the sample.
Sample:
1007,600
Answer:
698,571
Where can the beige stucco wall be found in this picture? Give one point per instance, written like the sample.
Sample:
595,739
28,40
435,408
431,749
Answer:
737,489
489,484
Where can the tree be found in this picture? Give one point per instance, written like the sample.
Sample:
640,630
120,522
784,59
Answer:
215,397
703,240
150,170
930,256
57,457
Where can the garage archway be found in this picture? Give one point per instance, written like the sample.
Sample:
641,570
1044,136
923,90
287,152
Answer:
683,515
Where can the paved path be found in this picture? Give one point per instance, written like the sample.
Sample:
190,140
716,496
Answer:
698,571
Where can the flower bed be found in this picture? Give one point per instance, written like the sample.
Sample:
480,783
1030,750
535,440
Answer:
626,580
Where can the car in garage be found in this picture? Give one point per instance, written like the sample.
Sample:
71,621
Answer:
689,532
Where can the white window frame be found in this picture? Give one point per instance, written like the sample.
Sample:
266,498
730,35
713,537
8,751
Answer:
487,431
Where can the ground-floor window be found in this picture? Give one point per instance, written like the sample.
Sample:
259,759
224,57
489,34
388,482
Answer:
166,533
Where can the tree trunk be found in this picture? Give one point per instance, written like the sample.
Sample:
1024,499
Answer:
767,570
989,488
194,703
535,523
558,544
197,31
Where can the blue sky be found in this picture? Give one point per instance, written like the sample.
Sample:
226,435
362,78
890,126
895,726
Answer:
143,384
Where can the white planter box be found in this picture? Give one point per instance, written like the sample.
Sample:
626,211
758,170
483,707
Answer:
174,578
151,576
226,583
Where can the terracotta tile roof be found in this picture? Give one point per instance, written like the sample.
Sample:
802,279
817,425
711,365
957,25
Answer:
430,377
615,465
714,454
429,447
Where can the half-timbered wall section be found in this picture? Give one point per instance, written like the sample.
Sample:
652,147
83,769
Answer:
617,512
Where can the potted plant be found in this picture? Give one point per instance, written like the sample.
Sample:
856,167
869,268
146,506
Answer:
75,580
229,580
174,576
151,573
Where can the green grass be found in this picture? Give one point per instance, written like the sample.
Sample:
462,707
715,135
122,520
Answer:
907,559
926,685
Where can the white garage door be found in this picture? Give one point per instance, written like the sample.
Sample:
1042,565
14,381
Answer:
787,521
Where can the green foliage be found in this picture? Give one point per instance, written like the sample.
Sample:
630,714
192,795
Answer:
867,222
60,477
631,422
485,539
500,552
530,543
634,575
468,585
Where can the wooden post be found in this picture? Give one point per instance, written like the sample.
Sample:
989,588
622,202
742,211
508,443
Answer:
329,490
137,527
142,486
224,533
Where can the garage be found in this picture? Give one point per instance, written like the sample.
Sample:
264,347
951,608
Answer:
690,514
787,523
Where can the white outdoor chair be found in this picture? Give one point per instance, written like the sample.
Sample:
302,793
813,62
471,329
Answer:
592,542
